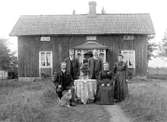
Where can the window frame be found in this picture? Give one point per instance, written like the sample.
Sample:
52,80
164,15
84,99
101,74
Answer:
45,59
91,38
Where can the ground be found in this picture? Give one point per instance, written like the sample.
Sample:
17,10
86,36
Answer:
37,102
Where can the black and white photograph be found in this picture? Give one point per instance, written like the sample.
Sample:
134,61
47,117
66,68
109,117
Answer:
83,61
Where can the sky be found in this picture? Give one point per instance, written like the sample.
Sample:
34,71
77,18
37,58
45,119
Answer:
10,11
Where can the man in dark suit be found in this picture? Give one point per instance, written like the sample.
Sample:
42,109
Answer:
91,63
73,66
64,81
94,66
98,65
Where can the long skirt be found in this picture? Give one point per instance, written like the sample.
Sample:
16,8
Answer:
105,94
121,87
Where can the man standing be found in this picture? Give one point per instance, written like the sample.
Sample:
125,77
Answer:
73,66
91,64
95,66
98,65
63,82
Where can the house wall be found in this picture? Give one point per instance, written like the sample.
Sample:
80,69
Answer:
29,47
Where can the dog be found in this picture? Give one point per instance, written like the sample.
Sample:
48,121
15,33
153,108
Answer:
65,99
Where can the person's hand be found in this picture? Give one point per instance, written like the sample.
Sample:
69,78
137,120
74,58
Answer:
102,84
59,88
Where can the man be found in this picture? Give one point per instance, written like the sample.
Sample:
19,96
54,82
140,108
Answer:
98,65
73,66
63,82
91,63
95,66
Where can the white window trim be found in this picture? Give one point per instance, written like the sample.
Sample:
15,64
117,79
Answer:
130,54
51,61
128,37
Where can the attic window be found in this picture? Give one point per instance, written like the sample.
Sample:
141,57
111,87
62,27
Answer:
128,37
91,38
45,38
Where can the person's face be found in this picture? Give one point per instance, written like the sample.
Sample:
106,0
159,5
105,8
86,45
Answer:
95,55
63,67
71,56
120,58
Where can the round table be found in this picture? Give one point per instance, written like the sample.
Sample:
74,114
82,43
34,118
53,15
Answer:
85,89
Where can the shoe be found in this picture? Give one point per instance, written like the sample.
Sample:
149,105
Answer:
73,104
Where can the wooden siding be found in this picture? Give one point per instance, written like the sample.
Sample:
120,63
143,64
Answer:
29,47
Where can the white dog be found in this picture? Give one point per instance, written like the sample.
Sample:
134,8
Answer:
65,100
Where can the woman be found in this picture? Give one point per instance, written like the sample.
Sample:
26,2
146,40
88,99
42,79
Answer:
121,87
105,89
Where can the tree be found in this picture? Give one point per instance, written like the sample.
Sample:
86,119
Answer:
164,45
151,47
8,60
4,55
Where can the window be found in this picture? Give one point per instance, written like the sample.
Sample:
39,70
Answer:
129,57
91,38
45,38
45,59
128,37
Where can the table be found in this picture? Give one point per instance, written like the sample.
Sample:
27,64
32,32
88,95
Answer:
85,89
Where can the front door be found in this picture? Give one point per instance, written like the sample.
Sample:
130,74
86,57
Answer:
79,53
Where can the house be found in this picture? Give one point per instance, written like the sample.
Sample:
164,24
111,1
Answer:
45,40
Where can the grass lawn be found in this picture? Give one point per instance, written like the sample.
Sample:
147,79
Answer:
37,102
147,101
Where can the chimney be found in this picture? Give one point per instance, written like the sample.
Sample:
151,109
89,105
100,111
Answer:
92,8
73,13
103,11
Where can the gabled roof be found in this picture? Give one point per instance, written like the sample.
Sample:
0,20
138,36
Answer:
91,45
83,24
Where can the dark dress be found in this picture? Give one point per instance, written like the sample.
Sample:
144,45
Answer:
105,89
121,86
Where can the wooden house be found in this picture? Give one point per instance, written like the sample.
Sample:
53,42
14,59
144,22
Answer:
45,40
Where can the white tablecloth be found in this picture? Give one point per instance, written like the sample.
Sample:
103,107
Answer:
85,89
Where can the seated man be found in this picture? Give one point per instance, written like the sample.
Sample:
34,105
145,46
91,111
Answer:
64,82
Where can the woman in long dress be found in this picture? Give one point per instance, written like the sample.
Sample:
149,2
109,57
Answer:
105,89
121,86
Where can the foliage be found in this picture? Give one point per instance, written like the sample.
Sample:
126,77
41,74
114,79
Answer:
151,47
8,60
163,47
84,69
4,55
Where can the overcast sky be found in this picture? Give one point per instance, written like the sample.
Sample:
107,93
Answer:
10,10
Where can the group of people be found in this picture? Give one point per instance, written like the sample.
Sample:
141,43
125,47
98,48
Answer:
111,82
